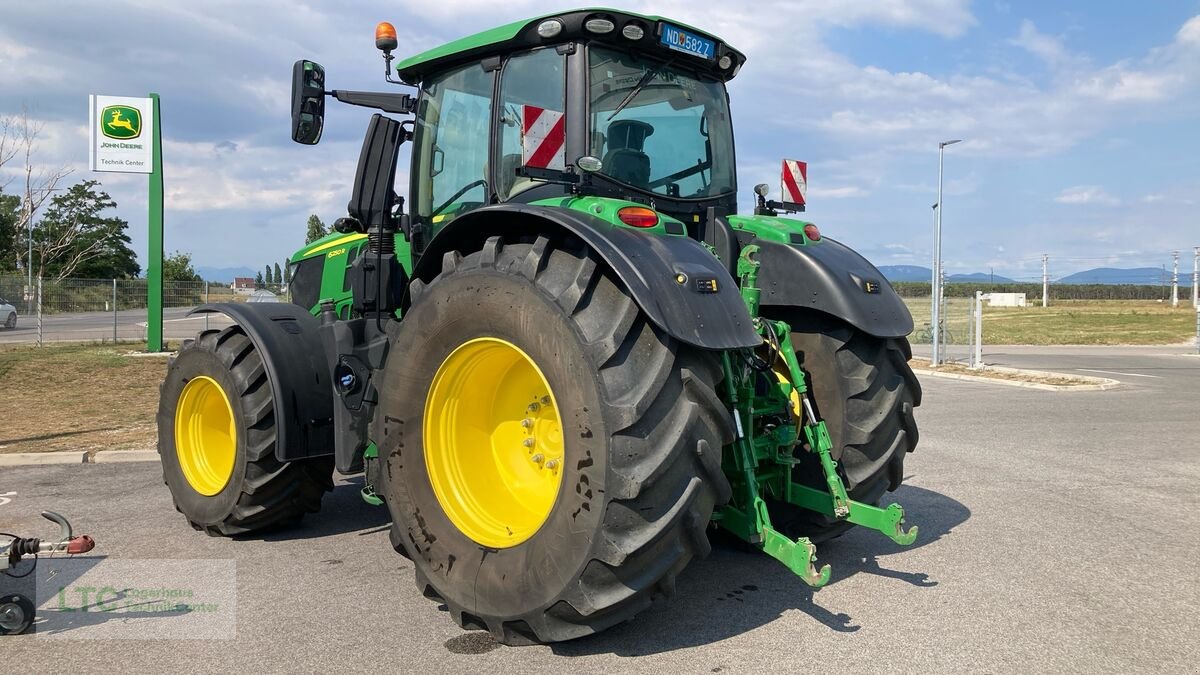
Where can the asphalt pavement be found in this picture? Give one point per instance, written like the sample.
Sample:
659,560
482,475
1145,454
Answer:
1058,534
129,324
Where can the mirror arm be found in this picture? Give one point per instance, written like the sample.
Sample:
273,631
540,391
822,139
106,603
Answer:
402,104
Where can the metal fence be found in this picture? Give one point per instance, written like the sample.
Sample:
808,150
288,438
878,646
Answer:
70,310
958,330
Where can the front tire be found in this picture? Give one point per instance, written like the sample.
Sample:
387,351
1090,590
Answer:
11,322
216,439
641,436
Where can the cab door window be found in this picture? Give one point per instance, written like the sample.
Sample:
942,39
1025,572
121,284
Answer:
451,142
533,83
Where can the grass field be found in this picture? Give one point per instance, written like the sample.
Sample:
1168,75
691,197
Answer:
78,397
1065,322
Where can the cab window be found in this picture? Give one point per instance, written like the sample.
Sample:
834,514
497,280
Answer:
451,143
531,82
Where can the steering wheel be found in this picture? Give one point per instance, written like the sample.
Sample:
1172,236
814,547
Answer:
462,191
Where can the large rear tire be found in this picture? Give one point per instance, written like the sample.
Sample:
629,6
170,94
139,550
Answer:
866,392
216,439
639,446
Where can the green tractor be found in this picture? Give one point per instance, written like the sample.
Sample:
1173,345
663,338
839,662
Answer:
565,359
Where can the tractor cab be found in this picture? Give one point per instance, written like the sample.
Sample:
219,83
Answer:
586,103
642,98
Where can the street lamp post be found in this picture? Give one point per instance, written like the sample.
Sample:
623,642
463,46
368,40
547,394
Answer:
935,359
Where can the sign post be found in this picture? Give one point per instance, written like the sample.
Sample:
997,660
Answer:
126,137
154,286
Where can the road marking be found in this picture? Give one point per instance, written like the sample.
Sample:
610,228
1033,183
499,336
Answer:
6,497
1113,372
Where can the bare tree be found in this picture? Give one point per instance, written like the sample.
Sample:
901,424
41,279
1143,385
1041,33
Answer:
19,136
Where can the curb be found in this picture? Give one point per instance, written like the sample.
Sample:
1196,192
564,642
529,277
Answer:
43,458
122,456
1090,384
77,457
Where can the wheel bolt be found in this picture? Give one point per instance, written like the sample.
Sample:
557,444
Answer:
526,422
552,464
533,407
545,400
538,458
528,442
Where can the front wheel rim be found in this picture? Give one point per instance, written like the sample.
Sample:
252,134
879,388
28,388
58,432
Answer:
493,442
205,435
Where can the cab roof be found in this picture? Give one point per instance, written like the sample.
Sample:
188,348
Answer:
521,35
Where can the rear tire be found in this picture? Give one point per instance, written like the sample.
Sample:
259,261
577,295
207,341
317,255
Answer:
261,491
11,322
642,433
866,392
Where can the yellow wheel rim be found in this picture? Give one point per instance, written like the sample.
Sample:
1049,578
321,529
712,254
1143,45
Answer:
493,442
205,435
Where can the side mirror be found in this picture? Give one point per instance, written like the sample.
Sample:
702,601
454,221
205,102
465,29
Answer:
308,102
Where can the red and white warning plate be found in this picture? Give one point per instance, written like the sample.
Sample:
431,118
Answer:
543,138
794,181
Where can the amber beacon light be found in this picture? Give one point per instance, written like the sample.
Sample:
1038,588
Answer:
385,36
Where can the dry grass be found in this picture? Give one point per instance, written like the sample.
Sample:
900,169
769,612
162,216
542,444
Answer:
77,397
1067,322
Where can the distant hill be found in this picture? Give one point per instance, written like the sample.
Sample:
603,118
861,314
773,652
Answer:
1135,275
224,274
906,273
979,278
895,273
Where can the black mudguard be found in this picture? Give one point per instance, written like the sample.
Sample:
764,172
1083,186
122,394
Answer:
695,312
831,278
289,342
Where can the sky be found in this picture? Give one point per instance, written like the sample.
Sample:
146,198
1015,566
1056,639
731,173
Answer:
1078,119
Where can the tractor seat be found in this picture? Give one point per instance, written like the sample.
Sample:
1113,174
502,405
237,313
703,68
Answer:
510,183
628,166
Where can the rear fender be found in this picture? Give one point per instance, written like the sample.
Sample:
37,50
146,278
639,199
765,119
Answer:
668,276
831,278
287,338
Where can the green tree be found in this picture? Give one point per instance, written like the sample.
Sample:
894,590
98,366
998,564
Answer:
316,229
287,274
74,236
278,274
9,212
267,275
178,267
258,280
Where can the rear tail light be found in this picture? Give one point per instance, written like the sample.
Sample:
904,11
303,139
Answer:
812,232
638,216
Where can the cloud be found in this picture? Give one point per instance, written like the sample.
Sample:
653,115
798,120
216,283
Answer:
1087,194
1045,47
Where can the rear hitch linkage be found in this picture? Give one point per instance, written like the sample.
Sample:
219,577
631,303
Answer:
763,454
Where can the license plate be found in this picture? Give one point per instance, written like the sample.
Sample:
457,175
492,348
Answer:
689,43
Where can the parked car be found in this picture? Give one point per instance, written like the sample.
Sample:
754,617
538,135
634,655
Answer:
9,314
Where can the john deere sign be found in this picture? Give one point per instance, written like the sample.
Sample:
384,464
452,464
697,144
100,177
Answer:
121,129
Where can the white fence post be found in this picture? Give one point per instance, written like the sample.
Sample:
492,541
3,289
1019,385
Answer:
114,311
206,302
977,357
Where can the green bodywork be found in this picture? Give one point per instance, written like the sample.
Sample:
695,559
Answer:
775,229
606,209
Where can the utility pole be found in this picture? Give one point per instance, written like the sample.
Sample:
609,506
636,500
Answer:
1045,281
937,258
1196,278
1174,278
